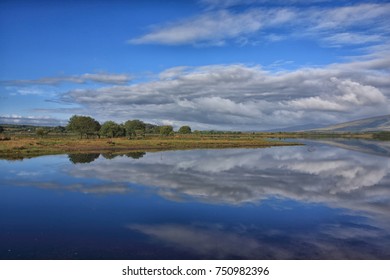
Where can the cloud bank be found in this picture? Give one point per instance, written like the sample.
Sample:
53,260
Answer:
31,120
248,97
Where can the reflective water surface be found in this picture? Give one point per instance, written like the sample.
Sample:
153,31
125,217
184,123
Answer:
317,201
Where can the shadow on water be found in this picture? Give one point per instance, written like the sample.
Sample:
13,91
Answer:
88,158
82,158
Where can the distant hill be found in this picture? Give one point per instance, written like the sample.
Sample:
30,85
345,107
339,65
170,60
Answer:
296,128
381,123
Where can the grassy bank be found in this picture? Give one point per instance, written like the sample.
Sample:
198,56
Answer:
27,147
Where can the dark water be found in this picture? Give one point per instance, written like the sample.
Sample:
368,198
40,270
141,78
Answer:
305,202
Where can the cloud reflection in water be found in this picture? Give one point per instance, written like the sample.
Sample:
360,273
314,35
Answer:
336,177
274,203
356,183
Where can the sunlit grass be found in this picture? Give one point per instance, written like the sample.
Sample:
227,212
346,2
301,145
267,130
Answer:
20,146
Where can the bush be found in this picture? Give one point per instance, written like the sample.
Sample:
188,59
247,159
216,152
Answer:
166,130
185,129
83,125
112,129
4,138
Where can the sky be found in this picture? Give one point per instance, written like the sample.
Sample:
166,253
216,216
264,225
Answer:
247,65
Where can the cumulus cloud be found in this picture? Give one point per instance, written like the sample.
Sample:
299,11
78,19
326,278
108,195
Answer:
247,97
349,93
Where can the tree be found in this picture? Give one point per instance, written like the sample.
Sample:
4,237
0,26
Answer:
135,128
166,130
185,129
112,129
1,129
59,129
41,132
151,128
83,125
156,130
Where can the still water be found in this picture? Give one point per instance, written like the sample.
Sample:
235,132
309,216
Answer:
319,201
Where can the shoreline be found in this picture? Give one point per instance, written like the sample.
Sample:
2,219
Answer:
34,147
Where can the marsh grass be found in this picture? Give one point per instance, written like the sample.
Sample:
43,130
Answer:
24,147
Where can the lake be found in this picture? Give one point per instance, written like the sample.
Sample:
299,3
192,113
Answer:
324,200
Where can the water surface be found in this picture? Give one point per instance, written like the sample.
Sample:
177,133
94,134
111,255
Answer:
300,202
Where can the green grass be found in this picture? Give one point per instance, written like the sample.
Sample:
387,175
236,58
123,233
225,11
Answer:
26,146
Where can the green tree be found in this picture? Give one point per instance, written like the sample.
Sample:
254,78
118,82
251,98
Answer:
59,129
185,129
151,128
156,130
83,125
40,132
112,129
1,129
135,128
166,130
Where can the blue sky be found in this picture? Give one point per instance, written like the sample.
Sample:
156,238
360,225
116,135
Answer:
210,64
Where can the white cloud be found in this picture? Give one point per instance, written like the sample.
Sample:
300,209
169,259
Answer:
343,17
247,97
31,120
334,26
77,79
172,73
107,78
316,103
351,39
355,93
342,96
211,28
218,4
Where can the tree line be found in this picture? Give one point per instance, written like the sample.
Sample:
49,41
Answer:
87,127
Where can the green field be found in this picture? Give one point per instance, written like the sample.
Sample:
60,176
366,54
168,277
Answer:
25,146
21,141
